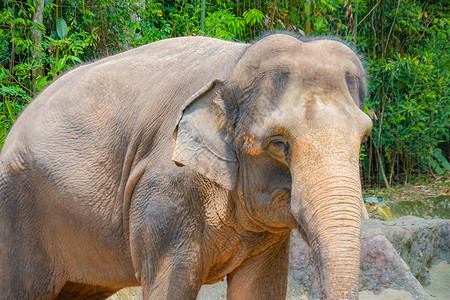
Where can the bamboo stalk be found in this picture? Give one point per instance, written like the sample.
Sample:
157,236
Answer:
380,162
36,37
202,18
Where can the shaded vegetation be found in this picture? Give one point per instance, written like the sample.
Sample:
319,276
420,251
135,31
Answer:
405,43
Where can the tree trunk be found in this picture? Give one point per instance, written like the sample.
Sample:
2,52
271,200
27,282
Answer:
308,8
355,24
36,37
202,20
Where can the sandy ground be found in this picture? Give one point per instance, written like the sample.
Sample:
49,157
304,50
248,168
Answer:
439,289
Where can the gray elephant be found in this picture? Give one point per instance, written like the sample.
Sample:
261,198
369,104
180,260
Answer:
182,162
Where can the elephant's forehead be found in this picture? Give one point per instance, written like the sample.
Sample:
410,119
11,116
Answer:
303,86
299,79
311,111
311,59
306,110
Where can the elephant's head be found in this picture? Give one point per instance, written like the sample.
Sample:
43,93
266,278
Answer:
283,132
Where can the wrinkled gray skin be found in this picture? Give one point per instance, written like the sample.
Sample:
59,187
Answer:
265,138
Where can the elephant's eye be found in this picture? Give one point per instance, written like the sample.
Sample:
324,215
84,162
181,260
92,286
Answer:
278,147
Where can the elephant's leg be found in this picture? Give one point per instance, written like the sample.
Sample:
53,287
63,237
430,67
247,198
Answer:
78,291
175,280
261,277
26,271
166,252
172,273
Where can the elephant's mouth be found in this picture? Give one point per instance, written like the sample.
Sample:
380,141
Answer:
281,194
284,194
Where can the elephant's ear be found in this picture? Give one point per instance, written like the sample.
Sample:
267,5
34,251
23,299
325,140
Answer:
202,138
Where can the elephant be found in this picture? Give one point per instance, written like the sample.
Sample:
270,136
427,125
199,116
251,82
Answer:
184,162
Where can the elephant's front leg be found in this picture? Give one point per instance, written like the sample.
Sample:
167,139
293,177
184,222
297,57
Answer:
168,269
166,254
177,277
263,276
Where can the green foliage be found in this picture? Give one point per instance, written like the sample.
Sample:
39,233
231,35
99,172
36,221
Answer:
410,93
61,47
414,94
253,16
405,43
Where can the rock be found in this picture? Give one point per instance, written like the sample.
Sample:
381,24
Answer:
301,274
373,199
394,255
419,242
216,291
382,268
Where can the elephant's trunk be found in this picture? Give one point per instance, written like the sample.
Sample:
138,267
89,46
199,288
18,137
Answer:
334,237
327,203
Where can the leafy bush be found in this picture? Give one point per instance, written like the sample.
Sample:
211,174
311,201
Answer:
409,92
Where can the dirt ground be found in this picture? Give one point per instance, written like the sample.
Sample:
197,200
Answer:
439,288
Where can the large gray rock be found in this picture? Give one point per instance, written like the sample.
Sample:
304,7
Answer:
382,268
419,242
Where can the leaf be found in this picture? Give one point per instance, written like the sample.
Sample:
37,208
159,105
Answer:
61,28
10,111
20,20
42,81
436,167
253,16
75,59
437,153
61,63
48,2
